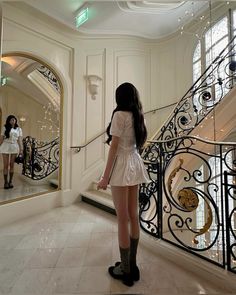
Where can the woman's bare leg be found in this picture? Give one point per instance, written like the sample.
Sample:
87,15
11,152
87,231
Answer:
122,270
133,211
12,163
120,200
5,158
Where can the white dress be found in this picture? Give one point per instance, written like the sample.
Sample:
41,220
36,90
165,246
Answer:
128,168
10,145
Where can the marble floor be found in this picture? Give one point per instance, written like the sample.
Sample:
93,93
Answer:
67,251
22,188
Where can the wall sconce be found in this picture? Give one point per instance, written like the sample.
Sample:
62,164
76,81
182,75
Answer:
22,120
93,83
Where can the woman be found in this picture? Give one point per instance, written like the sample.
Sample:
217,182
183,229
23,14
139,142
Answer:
124,172
10,147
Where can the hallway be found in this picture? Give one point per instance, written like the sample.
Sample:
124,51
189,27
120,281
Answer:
67,251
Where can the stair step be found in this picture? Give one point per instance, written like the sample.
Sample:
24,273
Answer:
99,199
54,182
106,192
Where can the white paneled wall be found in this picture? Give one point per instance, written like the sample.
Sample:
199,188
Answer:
95,108
153,67
133,66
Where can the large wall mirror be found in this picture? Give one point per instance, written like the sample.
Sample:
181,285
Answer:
32,93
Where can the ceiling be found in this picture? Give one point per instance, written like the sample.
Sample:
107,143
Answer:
22,74
149,19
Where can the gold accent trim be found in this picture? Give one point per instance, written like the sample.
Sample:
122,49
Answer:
27,197
207,225
33,57
188,199
173,174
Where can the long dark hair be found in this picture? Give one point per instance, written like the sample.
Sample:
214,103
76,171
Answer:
8,126
127,99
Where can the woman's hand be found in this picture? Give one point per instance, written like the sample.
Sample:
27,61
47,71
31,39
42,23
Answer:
102,184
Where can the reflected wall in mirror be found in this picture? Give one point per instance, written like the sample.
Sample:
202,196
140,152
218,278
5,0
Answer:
31,92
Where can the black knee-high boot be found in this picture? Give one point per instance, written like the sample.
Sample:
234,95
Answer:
10,179
133,254
6,185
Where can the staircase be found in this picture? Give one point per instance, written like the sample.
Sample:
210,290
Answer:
99,198
190,115
189,202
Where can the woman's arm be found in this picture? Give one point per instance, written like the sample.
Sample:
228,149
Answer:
20,144
110,162
1,139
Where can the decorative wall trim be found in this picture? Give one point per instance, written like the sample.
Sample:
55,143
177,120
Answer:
149,6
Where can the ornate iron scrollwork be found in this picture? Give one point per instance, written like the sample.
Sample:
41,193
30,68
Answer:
40,159
186,188
230,193
50,77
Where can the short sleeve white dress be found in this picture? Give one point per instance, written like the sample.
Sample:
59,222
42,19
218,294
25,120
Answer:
10,145
128,168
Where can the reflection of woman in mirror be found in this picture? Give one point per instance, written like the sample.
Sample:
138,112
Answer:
10,147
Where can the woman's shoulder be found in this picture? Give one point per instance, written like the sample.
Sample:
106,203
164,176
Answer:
123,113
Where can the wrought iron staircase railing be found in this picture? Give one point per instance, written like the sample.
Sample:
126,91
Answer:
40,159
202,96
193,203
186,202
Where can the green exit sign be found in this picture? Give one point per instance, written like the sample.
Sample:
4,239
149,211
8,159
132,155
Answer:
82,17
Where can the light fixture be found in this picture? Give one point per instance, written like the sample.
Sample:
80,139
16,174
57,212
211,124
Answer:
22,120
81,17
93,83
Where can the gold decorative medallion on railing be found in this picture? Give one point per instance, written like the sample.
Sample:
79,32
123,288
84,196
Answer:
188,199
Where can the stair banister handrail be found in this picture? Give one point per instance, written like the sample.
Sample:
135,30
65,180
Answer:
79,147
192,137
181,102
178,104
161,108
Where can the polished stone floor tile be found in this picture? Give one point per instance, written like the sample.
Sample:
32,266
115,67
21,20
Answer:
68,251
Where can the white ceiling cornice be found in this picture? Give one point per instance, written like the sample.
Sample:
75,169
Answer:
149,6
152,20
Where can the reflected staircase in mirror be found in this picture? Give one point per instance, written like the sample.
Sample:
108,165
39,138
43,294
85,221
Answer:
190,202
40,159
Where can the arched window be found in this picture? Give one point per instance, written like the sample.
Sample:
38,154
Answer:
208,48
197,70
197,62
